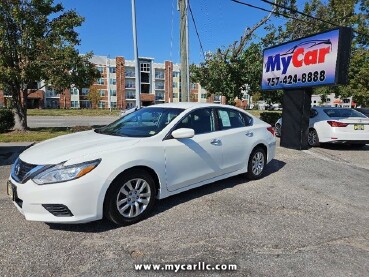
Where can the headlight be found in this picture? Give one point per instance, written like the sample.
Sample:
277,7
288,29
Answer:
60,173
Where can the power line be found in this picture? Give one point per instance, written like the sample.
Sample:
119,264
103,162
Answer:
197,33
301,13
266,10
309,16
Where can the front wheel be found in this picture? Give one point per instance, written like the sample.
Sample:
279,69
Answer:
256,164
313,139
130,198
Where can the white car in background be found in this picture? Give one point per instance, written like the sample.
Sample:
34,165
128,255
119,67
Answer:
335,125
118,171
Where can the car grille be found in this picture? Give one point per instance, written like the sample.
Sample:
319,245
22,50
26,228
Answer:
24,168
58,210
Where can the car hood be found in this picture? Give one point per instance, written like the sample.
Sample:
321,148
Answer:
76,146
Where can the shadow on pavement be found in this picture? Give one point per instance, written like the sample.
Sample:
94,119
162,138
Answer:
345,147
170,202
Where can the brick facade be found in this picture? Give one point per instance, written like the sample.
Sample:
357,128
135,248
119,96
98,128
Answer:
120,72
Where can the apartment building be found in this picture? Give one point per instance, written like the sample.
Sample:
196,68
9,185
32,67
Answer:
159,83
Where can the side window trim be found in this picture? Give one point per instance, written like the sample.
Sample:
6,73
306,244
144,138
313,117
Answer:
213,115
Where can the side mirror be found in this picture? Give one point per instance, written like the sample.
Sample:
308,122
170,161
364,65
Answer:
183,133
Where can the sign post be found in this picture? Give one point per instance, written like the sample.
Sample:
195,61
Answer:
298,66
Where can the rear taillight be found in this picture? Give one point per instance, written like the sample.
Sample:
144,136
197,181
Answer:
336,123
271,130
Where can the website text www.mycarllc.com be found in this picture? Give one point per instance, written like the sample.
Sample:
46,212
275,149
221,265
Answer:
200,266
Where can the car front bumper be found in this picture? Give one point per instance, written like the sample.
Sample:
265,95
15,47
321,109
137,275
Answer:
83,198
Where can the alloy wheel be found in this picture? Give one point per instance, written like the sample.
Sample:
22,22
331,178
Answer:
133,198
257,163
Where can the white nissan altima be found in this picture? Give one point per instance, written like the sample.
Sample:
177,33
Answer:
118,171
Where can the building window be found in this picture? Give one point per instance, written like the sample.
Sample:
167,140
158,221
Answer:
130,95
328,99
102,92
203,95
113,81
159,74
159,96
112,69
74,91
193,86
145,67
85,104
159,85
113,105
101,104
100,81
74,104
175,84
130,72
85,91
100,69
130,84
113,92
175,73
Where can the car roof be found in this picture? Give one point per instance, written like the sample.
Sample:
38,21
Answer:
190,105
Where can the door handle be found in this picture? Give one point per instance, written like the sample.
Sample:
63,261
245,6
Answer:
249,134
216,142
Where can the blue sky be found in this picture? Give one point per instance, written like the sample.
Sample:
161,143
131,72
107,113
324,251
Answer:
107,29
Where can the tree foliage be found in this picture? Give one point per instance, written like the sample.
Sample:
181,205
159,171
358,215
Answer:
227,71
38,42
94,96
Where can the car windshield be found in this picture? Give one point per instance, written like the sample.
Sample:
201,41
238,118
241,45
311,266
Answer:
343,113
145,122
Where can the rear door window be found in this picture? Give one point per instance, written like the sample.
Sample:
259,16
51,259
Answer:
230,119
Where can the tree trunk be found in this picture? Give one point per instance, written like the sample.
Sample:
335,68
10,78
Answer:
20,111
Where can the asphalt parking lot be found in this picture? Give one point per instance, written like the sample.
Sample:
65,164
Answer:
309,216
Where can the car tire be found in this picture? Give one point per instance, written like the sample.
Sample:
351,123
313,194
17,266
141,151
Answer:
130,198
313,138
256,164
278,130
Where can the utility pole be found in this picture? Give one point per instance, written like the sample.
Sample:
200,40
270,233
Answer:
185,76
137,66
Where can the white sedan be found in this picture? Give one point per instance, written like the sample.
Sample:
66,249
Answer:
119,171
335,125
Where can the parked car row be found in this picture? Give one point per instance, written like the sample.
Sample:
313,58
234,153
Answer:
335,125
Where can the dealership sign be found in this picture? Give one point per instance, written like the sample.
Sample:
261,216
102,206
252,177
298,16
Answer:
317,60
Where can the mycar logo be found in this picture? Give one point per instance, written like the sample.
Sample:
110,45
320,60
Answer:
317,60
300,55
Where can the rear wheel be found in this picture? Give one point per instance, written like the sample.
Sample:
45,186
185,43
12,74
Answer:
256,164
130,198
313,139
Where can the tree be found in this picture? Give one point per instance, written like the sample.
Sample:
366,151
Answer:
37,42
227,71
94,96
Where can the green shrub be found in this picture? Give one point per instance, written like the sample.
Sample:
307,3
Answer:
270,117
6,120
